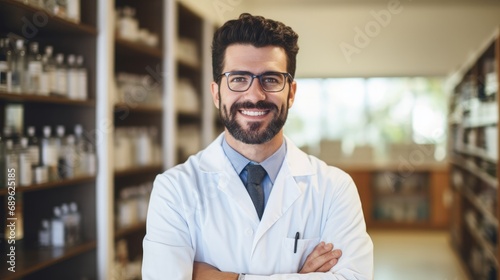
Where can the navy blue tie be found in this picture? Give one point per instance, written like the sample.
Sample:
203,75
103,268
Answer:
256,174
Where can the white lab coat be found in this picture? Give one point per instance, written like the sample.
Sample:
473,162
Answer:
201,211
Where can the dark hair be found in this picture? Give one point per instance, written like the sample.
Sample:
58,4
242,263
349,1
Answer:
257,31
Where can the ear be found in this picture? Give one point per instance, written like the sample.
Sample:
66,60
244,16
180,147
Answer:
214,87
291,95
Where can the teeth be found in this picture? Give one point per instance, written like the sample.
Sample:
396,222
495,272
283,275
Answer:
253,113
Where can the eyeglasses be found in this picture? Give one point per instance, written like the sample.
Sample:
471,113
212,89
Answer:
240,81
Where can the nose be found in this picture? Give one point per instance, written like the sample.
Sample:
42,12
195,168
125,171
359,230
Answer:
255,92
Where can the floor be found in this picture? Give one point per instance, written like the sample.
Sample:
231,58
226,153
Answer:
415,255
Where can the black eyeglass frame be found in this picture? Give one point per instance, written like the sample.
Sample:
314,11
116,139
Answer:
286,75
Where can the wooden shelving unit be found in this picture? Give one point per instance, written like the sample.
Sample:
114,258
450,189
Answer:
189,28
137,171
32,98
473,152
97,196
32,261
136,58
51,185
13,11
124,232
134,49
416,202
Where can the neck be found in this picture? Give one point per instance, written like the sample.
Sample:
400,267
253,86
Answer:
255,152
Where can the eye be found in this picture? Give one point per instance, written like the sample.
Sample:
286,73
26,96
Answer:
238,79
272,79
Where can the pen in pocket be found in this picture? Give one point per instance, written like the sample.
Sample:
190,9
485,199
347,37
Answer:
297,235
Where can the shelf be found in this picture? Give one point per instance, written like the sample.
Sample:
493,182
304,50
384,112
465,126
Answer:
185,64
12,11
138,170
393,224
490,251
119,233
134,108
473,169
401,195
30,261
33,98
50,185
188,117
477,168
476,152
481,122
490,217
128,48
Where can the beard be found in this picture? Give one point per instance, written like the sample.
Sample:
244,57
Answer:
254,134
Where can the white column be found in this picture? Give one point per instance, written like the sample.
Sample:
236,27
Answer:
104,127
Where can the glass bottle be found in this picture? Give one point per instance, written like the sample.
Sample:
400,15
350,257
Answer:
34,69
61,79
60,154
44,234
19,68
72,75
77,221
49,153
80,152
128,25
82,78
68,168
62,8
11,163
49,69
25,171
73,10
57,229
91,161
33,147
5,65
66,219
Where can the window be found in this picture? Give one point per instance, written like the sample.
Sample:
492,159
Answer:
370,119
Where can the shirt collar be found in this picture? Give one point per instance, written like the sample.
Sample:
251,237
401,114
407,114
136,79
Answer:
272,164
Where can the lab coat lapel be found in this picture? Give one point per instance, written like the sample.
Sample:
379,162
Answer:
233,187
285,190
213,160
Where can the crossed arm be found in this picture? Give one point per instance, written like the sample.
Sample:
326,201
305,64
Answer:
321,259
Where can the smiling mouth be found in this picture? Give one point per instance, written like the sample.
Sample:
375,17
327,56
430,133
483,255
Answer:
254,113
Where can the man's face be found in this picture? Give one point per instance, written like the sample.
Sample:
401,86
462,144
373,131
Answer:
253,116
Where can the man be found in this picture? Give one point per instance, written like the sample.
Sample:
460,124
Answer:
212,218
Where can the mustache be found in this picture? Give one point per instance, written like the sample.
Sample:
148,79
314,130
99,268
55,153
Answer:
262,105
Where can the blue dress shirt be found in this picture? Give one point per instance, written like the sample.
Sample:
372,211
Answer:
272,165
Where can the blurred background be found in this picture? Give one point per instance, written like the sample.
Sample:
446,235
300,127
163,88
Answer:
98,97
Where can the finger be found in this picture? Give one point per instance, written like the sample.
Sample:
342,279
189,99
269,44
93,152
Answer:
319,250
336,254
314,263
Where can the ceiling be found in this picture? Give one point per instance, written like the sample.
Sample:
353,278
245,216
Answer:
347,38
422,37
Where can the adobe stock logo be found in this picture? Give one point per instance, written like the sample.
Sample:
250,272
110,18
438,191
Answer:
363,37
223,6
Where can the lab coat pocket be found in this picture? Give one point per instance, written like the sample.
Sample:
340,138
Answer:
291,261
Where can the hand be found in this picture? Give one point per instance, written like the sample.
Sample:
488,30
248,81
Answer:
321,259
204,271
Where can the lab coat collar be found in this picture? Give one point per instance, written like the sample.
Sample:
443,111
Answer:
297,161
